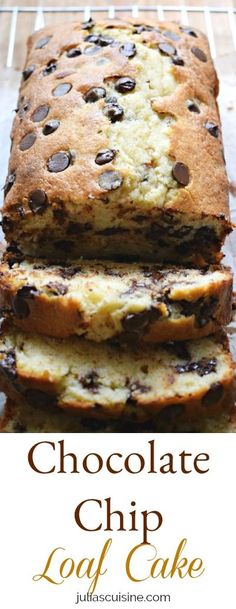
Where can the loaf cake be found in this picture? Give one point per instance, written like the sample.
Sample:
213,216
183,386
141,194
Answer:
18,418
116,146
102,300
183,380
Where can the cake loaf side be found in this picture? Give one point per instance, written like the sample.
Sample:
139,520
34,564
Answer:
117,147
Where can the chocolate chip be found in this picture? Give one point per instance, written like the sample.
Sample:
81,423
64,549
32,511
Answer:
39,399
177,60
212,129
42,42
100,40
90,381
125,84
188,30
92,50
10,179
192,107
171,35
105,41
58,289
203,309
23,108
7,224
38,201
213,395
8,364
20,307
180,173
140,28
105,156
206,235
62,89
40,113
128,49
202,367
199,54
59,214
135,322
113,273
50,68
92,38
94,94
137,387
27,141
87,25
113,111
51,126
110,180
75,52
27,72
69,272
166,49
177,348
59,162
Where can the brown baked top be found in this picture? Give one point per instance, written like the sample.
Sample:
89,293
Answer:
75,82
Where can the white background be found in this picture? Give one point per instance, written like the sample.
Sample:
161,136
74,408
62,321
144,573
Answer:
37,515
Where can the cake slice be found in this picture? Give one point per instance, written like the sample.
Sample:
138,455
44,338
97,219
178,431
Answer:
117,147
25,418
100,301
180,380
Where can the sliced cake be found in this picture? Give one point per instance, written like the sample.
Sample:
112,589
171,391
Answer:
100,301
25,418
175,379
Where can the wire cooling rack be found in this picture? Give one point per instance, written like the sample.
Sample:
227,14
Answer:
214,20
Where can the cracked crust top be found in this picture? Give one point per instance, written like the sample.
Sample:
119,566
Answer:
76,81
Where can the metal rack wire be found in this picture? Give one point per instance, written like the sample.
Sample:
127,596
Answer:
184,15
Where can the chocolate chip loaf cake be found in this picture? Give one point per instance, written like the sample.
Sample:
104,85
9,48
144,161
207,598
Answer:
116,146
103,380
100,301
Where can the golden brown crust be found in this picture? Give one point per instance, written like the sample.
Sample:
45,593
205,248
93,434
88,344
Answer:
191,143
